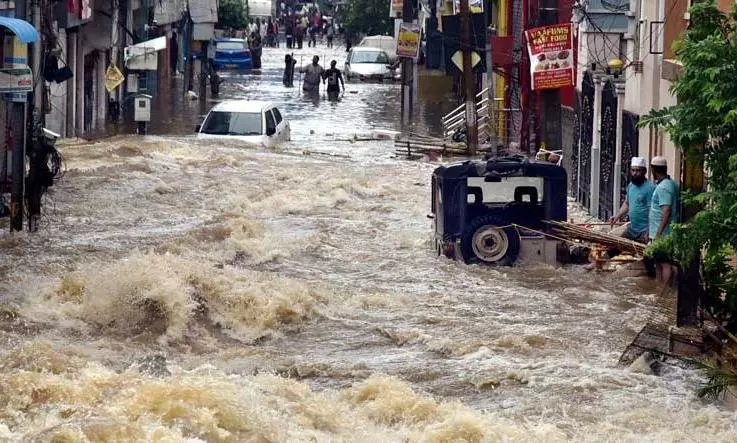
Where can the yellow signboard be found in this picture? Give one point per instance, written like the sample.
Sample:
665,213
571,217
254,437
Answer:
113,78
15,53
408,42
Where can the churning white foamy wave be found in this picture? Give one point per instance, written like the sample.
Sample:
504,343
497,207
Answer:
165,295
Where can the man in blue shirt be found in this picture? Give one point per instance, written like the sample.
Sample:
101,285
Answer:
663,209
637,203
664,203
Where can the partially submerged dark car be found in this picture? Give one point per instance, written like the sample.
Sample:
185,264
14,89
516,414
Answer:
493,211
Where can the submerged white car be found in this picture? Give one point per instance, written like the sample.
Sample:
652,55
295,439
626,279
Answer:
369,64
256,122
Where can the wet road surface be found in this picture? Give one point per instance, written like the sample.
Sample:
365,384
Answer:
182,290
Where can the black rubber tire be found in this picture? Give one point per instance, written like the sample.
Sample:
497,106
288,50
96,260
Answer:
480,223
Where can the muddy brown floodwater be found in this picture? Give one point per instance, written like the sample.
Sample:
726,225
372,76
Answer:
189,291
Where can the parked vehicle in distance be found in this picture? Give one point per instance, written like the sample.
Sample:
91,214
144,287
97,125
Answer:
256,122
369,64
232,54
493,212
385,42
303,8
259,9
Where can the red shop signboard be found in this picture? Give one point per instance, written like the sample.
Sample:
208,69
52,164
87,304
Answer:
551,56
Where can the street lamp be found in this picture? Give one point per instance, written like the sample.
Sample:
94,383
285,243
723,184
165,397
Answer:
615,67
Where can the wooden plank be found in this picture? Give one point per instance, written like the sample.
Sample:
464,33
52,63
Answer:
569,230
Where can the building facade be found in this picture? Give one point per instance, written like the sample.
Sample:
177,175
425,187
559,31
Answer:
69,72
610,101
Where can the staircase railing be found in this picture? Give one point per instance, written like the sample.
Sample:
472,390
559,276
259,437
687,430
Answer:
456,118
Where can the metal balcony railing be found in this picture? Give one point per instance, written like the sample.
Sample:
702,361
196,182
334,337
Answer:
505,122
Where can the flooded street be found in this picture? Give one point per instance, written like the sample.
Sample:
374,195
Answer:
184,290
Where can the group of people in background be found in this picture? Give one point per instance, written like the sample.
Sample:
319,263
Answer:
311,26
266,29
260,33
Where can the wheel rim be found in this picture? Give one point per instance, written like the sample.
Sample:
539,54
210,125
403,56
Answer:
490,243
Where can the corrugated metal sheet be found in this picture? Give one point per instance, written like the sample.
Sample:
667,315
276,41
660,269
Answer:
169,11
203,11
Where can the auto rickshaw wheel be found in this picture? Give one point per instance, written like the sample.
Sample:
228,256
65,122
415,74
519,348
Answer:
490,240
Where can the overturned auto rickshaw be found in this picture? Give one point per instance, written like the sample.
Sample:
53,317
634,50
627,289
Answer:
493,211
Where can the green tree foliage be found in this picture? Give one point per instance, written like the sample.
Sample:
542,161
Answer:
369,17
719,378
704,125
232,14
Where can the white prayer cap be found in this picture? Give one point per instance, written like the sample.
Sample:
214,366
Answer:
659,161
639,162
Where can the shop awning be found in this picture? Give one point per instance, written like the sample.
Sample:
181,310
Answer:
25,31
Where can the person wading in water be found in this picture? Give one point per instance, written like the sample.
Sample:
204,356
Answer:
333,76
288,78
313,75
254,44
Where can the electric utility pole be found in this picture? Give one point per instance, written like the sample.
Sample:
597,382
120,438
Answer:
408,67
114,52
492,124
38,87
188,64
472,133
550,98
32,112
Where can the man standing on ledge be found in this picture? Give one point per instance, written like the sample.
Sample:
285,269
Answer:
637,204
663,209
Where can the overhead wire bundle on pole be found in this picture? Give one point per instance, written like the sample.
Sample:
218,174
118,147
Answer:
472,136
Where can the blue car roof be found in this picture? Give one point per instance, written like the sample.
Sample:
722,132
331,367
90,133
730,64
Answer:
228,40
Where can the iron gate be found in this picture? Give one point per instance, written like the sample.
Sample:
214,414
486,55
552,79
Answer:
573,155
630,147
608,149
581,171
583,132
569,130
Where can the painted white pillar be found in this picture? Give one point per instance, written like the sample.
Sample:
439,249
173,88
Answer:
578,143
616,195
71,84
79,75
100,91
596,149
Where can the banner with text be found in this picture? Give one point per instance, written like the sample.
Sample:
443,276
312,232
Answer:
408,43
551,56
